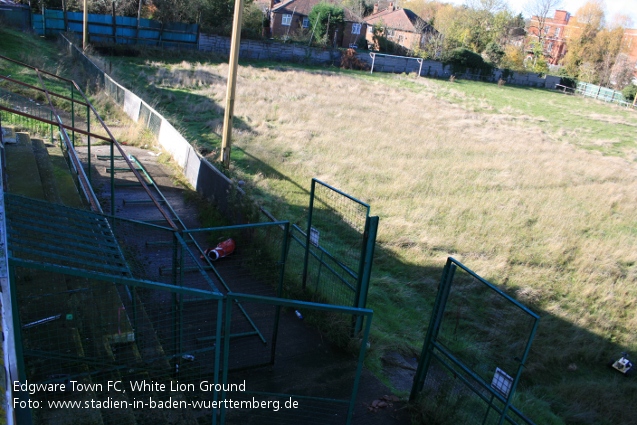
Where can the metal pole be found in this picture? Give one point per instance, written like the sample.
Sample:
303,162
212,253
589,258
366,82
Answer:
232,83
73,115
112,180
85,28
88,140
139,14
307,236
432,331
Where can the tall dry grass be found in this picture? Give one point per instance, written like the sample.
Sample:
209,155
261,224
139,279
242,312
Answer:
502,191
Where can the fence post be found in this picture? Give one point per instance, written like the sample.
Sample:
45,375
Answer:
307,236
369,245
433,329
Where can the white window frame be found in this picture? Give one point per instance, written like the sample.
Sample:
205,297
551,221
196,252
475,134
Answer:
356,28
557,32
390,33
370,29
306,22
286,20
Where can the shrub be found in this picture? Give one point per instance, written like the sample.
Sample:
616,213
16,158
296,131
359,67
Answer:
629,92
463,60
565,79
494,53
349,60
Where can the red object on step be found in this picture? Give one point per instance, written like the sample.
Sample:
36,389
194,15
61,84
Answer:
224,249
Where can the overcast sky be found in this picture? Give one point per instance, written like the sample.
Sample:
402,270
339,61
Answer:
628,7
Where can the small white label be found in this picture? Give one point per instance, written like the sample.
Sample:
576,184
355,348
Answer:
314,236
502,382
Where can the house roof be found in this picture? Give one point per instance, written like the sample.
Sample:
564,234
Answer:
400,19
303,7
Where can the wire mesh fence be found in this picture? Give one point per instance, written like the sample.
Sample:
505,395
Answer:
28,106
327,279
304,381
334,247
477,343
100,338
255,265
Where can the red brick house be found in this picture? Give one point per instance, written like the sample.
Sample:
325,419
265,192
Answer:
630,43
554,35
400,26
291,17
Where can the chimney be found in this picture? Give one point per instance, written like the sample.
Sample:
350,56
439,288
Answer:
391,6
375,8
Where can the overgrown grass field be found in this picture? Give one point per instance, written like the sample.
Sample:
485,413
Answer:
532,189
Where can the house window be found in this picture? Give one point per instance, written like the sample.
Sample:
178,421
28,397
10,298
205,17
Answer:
390,33
286,20
306,22
370,29
547,29
400,39
550,46
557,32
356,28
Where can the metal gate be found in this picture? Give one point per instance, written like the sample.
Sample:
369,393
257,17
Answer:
337,246
475,349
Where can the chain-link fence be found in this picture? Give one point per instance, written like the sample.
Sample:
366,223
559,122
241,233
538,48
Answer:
475,349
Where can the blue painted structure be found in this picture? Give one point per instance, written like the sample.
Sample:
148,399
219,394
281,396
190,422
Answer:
121,29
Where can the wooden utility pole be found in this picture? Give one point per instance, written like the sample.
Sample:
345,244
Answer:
85,28
139,15
232,83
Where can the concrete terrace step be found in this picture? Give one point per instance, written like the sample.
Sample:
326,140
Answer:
50,347
23,175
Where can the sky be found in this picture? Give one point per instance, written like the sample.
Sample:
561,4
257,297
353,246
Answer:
628,7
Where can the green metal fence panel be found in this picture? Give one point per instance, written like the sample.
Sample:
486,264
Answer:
601,93
305,382
475,349
254,265
103,338
337,247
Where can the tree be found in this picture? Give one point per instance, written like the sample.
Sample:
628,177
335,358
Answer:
493,53
324,19
539,11
513,58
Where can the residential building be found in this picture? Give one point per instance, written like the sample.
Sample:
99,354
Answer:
291,17
554,35
400,26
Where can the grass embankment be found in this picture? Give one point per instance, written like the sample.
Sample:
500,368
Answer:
532,189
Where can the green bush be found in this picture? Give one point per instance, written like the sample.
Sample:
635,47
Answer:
324,19
629,92
494,53
463,60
